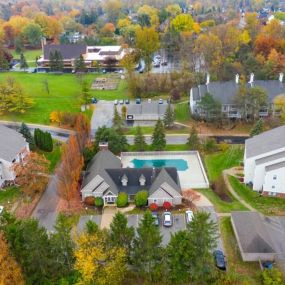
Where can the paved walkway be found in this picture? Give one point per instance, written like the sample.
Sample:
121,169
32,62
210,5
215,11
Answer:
107,216
226,173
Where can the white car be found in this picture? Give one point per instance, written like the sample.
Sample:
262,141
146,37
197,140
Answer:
1,209
116,102
189,216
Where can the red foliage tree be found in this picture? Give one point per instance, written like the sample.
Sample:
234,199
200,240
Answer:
153,207
166,205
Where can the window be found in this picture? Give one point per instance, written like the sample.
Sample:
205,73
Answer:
272,193
274,177
273,187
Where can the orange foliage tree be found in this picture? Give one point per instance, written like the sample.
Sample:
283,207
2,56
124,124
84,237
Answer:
32,174
10,271
82,128
68,172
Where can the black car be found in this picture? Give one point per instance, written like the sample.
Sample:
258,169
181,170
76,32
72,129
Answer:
155,218
94,100
127,101
220,261
138,100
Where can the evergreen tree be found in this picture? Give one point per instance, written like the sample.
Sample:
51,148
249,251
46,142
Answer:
169,117
178,256
147,253
258,128
79,64
58,61
203,234
52,63
120,234
117,120
24,130
85,93
193,140
43,140
23,62
158,136
139,140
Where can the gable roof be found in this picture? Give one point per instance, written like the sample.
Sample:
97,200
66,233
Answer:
270,158
226,91
11,143
68,51
252,234
265,142
275,166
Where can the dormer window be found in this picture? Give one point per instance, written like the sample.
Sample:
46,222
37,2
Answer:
142,180
124,180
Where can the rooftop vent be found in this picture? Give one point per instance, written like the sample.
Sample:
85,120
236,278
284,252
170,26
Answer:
124,180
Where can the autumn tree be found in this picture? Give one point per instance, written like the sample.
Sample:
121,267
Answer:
147,40
32,33
82,128
11,272
97,262
68,172
112,9
151,13
183,23
32,173
279,105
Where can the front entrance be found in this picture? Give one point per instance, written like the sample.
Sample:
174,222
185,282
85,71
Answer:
109,199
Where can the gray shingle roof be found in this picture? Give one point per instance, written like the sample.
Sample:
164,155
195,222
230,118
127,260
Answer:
269,158
11,143
252,234
226,91
147,108
68,51
275,166
265,142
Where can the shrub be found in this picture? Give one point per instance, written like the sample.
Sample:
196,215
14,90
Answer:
166,205
210,145
122,200
90,200
153,207
271,276
141,198
43,140
224,147
99,202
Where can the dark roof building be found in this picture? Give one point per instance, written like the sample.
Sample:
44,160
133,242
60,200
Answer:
105,177
259,237
68,51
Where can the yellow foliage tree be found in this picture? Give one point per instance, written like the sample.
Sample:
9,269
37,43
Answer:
10,272
122,23
55,117
173,10
182,23
97,263
151,12
279,105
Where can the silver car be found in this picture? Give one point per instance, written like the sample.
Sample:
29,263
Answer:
167,219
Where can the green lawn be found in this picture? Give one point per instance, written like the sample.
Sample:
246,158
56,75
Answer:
64,94
245,272
220,205
149,130
216,163
9,195
182,112
266,205
170,147
30,55
53,157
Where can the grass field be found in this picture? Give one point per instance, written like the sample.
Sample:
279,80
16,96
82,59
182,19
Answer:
244,272
220,205
266,205
9,195
216,163
148,130
170,147
64,94
30,55
182,112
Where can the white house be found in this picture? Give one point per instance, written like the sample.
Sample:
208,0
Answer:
13,148
264,162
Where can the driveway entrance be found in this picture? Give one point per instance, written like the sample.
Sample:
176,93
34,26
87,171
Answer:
107,216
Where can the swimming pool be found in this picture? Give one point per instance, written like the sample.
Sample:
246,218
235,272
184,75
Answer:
180,164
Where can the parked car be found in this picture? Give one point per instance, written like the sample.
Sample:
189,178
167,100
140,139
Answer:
164,63
1,209
156,64
167,219
127,101
220,261
121,101
138,100
148,100
94,100
160,101
116,102
155,218
189,216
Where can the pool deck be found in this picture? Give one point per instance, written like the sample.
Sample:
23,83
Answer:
193,177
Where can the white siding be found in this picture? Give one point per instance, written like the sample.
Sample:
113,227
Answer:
274,181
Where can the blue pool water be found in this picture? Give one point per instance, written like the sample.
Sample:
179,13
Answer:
180,164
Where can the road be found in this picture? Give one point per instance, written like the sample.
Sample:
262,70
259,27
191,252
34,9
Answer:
46,210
